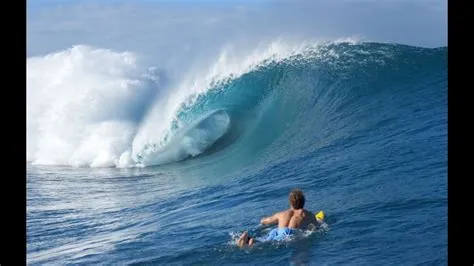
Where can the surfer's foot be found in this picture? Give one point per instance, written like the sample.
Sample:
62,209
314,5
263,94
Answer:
250,241
244,239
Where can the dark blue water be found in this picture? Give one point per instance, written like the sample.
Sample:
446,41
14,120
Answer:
361,129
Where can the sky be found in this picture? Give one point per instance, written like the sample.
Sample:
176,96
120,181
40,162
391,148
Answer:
186,26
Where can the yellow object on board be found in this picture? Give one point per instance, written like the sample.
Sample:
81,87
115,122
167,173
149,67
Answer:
320,215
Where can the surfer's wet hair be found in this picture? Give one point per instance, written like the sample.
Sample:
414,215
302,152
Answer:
296,199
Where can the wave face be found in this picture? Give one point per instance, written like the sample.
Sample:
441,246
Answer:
90,107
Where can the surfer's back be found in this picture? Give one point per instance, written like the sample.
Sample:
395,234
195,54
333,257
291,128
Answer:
296,219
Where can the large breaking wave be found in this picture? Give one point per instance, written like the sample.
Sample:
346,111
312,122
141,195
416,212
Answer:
93,107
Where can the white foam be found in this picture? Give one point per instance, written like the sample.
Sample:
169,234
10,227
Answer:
81,105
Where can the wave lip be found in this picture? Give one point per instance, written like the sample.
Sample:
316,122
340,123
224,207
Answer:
191,141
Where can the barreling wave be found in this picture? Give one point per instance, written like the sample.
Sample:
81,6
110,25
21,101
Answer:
100,108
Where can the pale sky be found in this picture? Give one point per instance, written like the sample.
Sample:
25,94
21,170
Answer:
149,26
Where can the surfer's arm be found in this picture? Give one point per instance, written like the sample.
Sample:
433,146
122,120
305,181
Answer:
270,219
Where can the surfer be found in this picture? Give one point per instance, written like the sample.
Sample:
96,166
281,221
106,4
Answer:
296,217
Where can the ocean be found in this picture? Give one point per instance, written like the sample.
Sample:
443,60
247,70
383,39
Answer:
123,171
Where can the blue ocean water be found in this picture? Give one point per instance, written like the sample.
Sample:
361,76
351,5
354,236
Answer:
360,128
